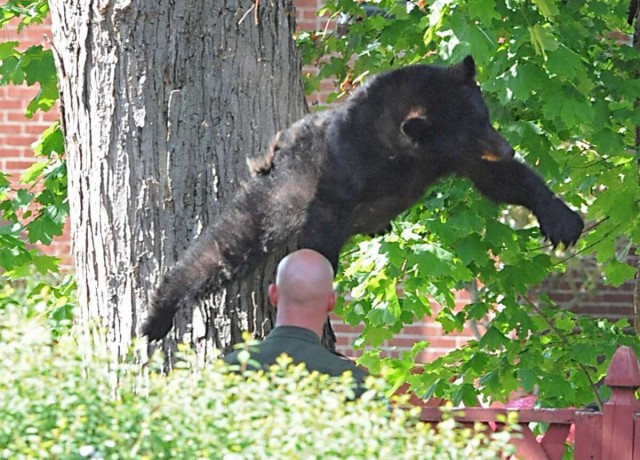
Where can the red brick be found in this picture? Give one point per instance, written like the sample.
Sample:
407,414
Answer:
13,165
17,140
12,128
618,297
16,115
606,311
35,128
429,355
50,116
404,342
424,329
465,332
13,152
22,92
16,104
345,328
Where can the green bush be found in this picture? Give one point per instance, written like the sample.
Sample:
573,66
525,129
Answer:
49,298
57,402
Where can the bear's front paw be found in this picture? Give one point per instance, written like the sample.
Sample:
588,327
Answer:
156,327
559,224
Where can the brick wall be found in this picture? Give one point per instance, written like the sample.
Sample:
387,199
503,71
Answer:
581,290
306,14
17,134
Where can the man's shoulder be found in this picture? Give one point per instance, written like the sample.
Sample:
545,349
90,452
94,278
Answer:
303,346
338,364
232,357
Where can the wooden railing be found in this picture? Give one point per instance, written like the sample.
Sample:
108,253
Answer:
613,434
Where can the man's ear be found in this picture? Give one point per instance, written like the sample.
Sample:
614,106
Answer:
332,301
273,295
464,71
417,128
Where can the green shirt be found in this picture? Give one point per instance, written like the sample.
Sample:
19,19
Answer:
303,346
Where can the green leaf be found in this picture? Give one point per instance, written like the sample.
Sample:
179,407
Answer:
370,359
465,394
565,324
44,99
27,12
38,65
428,262
493,339
43,229
478,362
477,310
33,172
7,49
450,320
45,264
482,44
528,378
471,248
4,181
417,305
548,8
617,202
616,273
568,65
23,199
523,79
376,335
11,72
499,235
484,10
565,107
542,39
584,352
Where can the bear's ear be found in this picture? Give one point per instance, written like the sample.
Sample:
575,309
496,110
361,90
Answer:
464,71
417,128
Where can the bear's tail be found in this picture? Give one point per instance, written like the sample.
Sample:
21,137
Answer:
263,216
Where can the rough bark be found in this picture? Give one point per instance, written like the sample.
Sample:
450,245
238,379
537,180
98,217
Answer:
162,102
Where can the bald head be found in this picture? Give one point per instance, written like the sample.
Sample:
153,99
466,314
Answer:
304,276
303,292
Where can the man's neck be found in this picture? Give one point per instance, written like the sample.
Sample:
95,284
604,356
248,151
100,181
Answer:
307,323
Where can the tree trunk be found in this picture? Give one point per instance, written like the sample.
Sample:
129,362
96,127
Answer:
162,102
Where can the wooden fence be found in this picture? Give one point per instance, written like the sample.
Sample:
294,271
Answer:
613,434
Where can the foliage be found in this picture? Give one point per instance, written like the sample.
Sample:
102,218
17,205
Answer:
59,403
559,86
26,12
34,208
559,83
37,206
50,299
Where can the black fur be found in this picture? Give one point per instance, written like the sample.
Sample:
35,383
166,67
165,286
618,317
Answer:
351,170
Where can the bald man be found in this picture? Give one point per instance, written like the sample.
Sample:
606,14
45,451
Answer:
303,296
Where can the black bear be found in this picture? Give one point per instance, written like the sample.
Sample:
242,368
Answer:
351,170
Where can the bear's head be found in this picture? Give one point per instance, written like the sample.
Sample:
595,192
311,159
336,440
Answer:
444,114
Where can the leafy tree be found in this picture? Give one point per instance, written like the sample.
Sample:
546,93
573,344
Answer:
558,78
163,102
35,209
